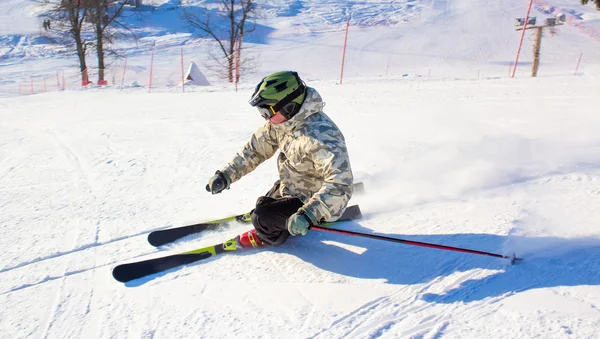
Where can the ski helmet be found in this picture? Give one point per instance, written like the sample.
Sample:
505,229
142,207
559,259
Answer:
282,92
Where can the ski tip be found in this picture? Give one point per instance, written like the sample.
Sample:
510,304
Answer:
153,239
120,274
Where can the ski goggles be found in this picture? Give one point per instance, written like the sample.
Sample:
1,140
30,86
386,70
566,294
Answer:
267,112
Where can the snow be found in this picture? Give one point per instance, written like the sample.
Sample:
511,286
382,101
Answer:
464,156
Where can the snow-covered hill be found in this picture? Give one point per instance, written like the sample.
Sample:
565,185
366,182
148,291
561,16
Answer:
450,149
410,38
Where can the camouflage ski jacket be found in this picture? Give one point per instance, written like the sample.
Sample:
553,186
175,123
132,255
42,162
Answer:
313,163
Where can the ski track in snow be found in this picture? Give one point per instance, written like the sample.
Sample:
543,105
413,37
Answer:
379,316
425,305
465,157
57,302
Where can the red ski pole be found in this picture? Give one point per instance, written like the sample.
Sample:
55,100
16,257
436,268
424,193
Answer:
512,258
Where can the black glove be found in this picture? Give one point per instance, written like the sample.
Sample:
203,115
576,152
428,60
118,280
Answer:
218,183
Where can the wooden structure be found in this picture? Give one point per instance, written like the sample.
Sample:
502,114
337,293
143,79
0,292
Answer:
548,22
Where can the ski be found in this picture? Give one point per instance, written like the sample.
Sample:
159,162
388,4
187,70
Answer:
163,237
140,269
167,236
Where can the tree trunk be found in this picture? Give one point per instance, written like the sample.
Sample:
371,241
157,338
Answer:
100,50
81,56
239,57
230,66
98,14
75,18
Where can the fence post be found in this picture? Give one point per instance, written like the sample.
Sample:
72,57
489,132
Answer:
151,66
182,75
237,63
578,61
123,77
344,51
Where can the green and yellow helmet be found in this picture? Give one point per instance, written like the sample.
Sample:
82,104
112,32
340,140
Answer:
282,92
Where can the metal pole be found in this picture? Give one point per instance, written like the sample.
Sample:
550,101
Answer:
414,243
522,35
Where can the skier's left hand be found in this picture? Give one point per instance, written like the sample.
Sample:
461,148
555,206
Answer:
299,223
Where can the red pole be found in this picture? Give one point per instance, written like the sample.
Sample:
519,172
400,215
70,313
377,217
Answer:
414,243
578,61
151,66
237,63
182,75
57,82
344,51
123,77
522,35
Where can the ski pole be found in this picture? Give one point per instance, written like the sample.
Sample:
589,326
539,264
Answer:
512,258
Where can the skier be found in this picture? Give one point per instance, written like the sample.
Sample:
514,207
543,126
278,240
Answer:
315,178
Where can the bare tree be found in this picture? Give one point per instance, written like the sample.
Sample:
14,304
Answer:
597,2
226,26
69,17
101,19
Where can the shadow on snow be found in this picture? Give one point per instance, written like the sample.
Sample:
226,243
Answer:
548,261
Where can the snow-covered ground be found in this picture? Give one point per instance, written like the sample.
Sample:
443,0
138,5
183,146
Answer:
465,157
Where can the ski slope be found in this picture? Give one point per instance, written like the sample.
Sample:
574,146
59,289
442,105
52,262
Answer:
463,157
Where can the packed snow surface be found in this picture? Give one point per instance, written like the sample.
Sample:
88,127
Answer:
465,157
